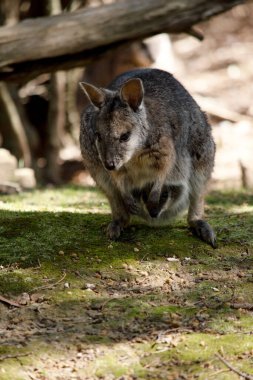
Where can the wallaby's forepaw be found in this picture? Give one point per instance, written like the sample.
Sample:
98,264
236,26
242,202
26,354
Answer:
204,231
133,205
114,230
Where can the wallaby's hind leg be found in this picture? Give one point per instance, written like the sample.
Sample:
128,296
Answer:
153,205
114,229
153,202
199,226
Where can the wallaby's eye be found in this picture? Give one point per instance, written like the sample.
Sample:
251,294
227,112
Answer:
124,137
98,136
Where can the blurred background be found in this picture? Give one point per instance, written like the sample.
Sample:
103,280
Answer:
39,118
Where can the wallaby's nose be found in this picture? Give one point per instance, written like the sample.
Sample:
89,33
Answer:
109,165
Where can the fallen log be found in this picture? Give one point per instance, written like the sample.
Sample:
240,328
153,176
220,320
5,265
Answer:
45,44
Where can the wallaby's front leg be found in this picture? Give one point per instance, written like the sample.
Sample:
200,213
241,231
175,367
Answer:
131,202
120,213
120,216
195,220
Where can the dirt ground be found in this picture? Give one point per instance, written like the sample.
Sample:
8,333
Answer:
158,304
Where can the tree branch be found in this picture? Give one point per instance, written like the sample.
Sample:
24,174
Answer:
244,375
70,39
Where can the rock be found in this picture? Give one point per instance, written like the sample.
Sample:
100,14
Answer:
26,178
8,165
11,177
89,286
172,259
24,299
9,188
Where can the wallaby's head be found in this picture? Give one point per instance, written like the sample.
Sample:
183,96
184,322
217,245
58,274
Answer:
120,122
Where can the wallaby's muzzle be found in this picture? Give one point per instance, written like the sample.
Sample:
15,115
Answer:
109,165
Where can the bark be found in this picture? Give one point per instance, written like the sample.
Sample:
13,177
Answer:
73,114
43,44
55,127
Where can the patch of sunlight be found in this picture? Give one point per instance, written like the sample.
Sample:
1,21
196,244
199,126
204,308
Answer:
116,360
68,200
244,208
91,209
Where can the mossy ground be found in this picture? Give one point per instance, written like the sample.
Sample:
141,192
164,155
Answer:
94,309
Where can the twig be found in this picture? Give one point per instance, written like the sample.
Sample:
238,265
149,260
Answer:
244,175
31,376
246,376
177,330
195,33
13,356
144,257
39,265
107,301
18,133
218,372
48,286
9,302
245,306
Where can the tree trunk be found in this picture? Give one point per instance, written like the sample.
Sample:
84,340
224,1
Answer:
13,129
43,44
55,127
56,118
9,12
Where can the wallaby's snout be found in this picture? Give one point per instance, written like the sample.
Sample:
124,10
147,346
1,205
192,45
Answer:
110,158
109,165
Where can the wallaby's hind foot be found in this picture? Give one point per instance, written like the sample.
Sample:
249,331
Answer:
204,231
198,226
114,229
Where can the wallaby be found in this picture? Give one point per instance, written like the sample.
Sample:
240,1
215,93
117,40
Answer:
149,147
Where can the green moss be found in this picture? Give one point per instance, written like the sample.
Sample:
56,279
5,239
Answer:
52,242
17,282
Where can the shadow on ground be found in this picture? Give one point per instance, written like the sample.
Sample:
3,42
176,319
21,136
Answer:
158,303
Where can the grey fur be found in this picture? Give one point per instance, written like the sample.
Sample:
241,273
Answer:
165,165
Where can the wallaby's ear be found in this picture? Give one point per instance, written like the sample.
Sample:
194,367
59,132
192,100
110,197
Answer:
95,95
132,92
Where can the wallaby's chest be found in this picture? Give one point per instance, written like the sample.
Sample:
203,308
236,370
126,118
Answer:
143,169
147,166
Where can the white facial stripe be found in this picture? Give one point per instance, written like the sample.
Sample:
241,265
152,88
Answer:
141,105
132,145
